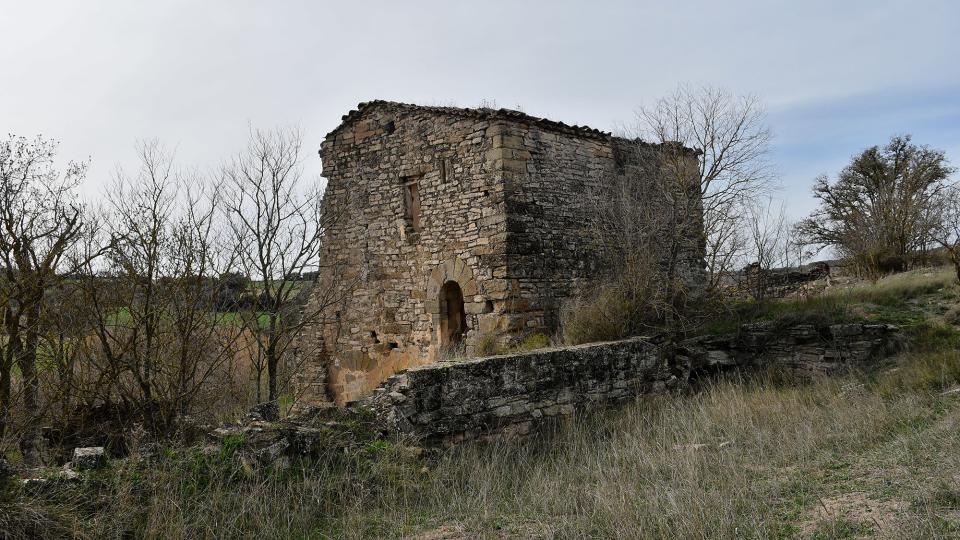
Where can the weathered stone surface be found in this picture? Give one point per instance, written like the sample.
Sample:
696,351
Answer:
88,458
513,393
494,201
802,349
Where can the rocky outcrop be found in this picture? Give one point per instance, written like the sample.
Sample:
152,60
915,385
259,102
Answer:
259,442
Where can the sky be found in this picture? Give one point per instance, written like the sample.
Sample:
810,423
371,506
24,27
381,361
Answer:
836,77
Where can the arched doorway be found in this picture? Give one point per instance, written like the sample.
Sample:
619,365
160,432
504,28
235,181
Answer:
453,318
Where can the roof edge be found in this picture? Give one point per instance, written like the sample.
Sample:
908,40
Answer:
486,114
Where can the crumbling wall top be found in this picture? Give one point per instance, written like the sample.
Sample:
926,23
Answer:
484,113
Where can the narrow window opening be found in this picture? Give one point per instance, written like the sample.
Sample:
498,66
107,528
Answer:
411,202
393,345
373,336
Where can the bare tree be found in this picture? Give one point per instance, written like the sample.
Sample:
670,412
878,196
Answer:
143,209
771,243
154,313
733,141
41,222
879,209
277,225
947,232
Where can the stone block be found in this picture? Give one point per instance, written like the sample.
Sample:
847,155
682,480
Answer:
92,457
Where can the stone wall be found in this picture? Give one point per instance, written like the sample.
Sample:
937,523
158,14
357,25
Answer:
802,349
503,203
506,394
555,185
512,393
388,271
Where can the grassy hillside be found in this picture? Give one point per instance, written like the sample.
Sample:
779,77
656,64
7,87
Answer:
866,455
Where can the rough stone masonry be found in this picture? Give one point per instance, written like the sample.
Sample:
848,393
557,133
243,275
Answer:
512,394
450,226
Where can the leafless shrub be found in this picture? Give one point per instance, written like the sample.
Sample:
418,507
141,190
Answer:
277,223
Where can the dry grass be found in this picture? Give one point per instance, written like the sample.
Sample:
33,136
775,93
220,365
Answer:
754,459
906,299
866,455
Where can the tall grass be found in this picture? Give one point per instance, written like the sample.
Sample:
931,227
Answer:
758,458
745,459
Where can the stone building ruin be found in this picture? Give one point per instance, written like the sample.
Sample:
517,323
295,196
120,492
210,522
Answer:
453,227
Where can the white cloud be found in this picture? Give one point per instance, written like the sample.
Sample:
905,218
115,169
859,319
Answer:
100,75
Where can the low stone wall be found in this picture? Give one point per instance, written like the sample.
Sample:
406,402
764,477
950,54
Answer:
451,402
802,349
511,393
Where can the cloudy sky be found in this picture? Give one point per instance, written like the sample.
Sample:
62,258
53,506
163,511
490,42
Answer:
836,76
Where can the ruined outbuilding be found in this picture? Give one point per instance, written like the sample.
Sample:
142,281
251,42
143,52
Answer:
451,228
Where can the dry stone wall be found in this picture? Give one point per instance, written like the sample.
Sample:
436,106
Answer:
512,394
802,349
455,401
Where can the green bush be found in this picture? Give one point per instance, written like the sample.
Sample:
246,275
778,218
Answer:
533,342
486,345
630,304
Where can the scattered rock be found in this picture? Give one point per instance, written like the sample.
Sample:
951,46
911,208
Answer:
259,443
88,458
271,453
50,478
952,316
269,411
